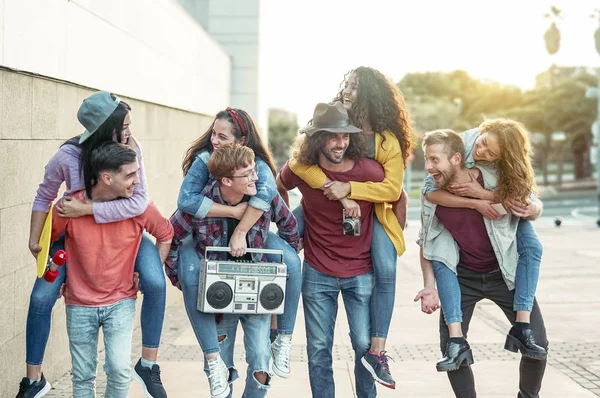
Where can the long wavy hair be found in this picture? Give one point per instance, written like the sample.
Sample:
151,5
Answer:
306,150
380,100
252,141
516,178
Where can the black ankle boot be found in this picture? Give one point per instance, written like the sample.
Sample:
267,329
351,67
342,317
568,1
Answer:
523,340
457,354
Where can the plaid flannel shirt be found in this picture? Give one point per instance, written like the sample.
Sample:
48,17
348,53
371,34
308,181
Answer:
212,231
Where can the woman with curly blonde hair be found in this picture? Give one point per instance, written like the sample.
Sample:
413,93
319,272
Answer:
376,106
505,144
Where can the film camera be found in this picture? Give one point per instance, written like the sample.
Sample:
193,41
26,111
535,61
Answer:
230,287
350,226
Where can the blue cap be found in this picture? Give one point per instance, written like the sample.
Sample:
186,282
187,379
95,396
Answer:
94,111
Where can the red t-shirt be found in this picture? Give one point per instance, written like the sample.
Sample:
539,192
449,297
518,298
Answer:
326,248
102,256
468,230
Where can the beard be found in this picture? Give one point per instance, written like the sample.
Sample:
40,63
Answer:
447,178
330,157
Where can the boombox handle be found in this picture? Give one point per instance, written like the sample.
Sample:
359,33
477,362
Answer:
249,250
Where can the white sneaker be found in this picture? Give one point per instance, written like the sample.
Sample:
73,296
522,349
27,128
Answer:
218,378
280,352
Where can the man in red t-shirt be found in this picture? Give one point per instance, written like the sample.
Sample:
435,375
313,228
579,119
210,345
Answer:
337,252
100,289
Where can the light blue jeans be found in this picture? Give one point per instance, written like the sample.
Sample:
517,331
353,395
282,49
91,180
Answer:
83,324
320,299
384,258
256,344
287,320
527,274
44,296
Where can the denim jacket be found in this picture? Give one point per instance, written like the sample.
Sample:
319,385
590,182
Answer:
439,245
191,200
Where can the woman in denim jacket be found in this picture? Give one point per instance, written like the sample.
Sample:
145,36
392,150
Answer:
235,125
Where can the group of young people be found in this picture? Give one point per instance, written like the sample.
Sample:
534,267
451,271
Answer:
476,242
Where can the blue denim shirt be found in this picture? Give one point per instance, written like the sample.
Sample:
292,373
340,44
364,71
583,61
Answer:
191,200
468,138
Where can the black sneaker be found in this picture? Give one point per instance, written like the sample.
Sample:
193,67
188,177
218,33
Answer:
378,366
35,390
150,380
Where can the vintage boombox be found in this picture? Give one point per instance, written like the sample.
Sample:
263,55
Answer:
246,287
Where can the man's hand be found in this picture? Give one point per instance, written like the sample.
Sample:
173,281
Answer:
136,281
72,208
61,291
238,245
470,189
430,301
35,249
351,206
239,210
300,244
522,210
400,208
486,209
336,190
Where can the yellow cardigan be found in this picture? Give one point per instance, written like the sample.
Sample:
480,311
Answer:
389,155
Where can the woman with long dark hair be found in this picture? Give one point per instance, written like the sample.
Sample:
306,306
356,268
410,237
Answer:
376,106
105,118
236,126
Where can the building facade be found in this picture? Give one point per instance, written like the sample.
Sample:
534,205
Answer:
154,55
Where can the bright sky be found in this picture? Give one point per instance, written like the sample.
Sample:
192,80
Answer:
308,45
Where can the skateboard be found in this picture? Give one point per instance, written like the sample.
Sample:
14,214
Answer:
42,258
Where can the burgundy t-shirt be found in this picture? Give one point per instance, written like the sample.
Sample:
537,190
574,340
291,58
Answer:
468,230
326,248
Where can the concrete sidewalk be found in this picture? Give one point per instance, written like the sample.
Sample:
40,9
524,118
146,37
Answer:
568,298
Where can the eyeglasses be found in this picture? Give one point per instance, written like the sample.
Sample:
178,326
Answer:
251,175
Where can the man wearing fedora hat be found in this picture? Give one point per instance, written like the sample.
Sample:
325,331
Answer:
337,246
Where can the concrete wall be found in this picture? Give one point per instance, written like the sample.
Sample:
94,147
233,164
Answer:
36,116
154,51
234,24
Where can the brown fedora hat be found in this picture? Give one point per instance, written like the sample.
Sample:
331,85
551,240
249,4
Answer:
332,118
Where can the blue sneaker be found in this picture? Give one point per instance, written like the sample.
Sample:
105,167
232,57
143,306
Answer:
378,366
150,380
33,390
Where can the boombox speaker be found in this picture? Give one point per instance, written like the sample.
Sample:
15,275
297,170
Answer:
245,287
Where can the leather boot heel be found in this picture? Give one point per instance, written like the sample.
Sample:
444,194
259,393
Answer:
468,359
512,344
456,355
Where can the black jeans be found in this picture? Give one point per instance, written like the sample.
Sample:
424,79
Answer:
474,287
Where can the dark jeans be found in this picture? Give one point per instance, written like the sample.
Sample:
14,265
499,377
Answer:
475,287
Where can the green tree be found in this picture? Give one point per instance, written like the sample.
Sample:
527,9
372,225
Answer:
458,101
283,129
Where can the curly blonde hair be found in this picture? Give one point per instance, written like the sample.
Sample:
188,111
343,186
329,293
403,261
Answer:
516,178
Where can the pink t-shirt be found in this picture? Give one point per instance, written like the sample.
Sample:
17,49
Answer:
326,248
102,256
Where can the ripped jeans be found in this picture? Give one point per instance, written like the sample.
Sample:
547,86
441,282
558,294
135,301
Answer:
257,345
